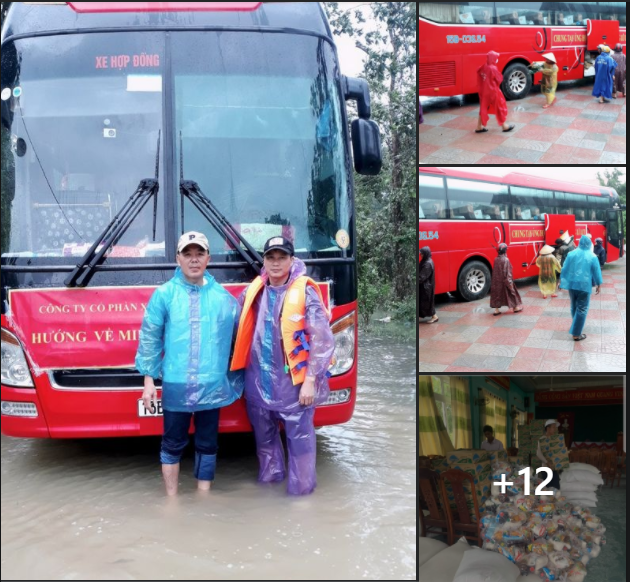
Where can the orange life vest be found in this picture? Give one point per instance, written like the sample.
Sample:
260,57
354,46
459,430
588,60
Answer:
292,325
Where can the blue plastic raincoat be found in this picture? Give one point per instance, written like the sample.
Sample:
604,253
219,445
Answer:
185,339
604,73
581,270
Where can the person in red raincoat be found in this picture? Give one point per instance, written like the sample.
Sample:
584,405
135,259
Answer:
491,98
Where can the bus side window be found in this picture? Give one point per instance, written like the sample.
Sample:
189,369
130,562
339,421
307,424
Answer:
431,197
539,202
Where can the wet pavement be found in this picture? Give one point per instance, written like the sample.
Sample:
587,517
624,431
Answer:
468,338
576,130
96,510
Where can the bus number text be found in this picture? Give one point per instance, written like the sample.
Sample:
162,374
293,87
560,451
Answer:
429,235
467,38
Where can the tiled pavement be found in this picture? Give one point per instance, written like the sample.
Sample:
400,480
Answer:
576,130
468,338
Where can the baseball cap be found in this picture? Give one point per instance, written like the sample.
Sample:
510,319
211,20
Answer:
551,421
192,238
279,243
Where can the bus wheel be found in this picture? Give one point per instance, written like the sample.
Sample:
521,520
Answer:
517,82
473,281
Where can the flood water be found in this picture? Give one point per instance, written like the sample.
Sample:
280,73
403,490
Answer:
96,509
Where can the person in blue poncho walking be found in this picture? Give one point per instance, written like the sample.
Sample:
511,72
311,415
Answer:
604,73
185,340
580,273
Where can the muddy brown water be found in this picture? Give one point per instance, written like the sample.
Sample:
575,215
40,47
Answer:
96,510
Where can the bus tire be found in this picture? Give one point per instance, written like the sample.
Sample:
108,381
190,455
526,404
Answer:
473,281
517,82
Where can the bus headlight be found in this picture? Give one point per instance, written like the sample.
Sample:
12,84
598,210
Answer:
15,370
24,409
344,333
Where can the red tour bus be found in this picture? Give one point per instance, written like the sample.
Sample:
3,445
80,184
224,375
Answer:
455,38
465,216
157,118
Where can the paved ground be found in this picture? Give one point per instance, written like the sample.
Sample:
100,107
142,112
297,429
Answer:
576,130
468,338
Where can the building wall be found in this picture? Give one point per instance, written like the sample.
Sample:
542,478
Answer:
592,423
515,396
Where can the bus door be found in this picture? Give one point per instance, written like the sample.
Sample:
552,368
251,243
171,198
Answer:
599,32
614,236
556,225
602,32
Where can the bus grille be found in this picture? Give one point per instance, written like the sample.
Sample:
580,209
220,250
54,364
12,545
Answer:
115,379
437,75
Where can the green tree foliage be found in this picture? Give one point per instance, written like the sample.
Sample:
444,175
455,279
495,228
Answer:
386,216
616,179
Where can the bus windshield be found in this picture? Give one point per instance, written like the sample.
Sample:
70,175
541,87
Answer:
258,115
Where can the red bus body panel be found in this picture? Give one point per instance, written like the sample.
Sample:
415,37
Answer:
76,413
450,68
481,242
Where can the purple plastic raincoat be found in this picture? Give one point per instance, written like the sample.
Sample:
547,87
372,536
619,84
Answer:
271,395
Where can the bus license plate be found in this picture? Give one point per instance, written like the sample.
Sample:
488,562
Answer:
143,411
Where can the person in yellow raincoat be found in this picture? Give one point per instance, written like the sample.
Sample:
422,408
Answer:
549,82
549,266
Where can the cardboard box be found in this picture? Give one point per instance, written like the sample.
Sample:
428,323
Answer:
554,448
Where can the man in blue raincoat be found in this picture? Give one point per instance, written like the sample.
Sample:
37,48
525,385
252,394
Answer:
580,273
604,73
185,340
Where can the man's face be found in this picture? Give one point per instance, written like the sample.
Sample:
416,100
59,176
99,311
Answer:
489,436
193,260
552,429
278,264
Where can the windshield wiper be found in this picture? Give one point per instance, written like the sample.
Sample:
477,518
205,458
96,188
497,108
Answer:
211,213
191,190
147,189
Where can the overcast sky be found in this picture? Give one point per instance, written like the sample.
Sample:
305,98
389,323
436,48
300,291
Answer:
581,174
350,57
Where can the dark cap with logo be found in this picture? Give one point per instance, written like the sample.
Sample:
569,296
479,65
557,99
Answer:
278,243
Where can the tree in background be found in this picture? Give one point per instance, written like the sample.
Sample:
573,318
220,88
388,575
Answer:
4,6
386,204
613,179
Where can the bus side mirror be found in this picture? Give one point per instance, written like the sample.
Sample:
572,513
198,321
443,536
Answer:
366,137
357,90
366,147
